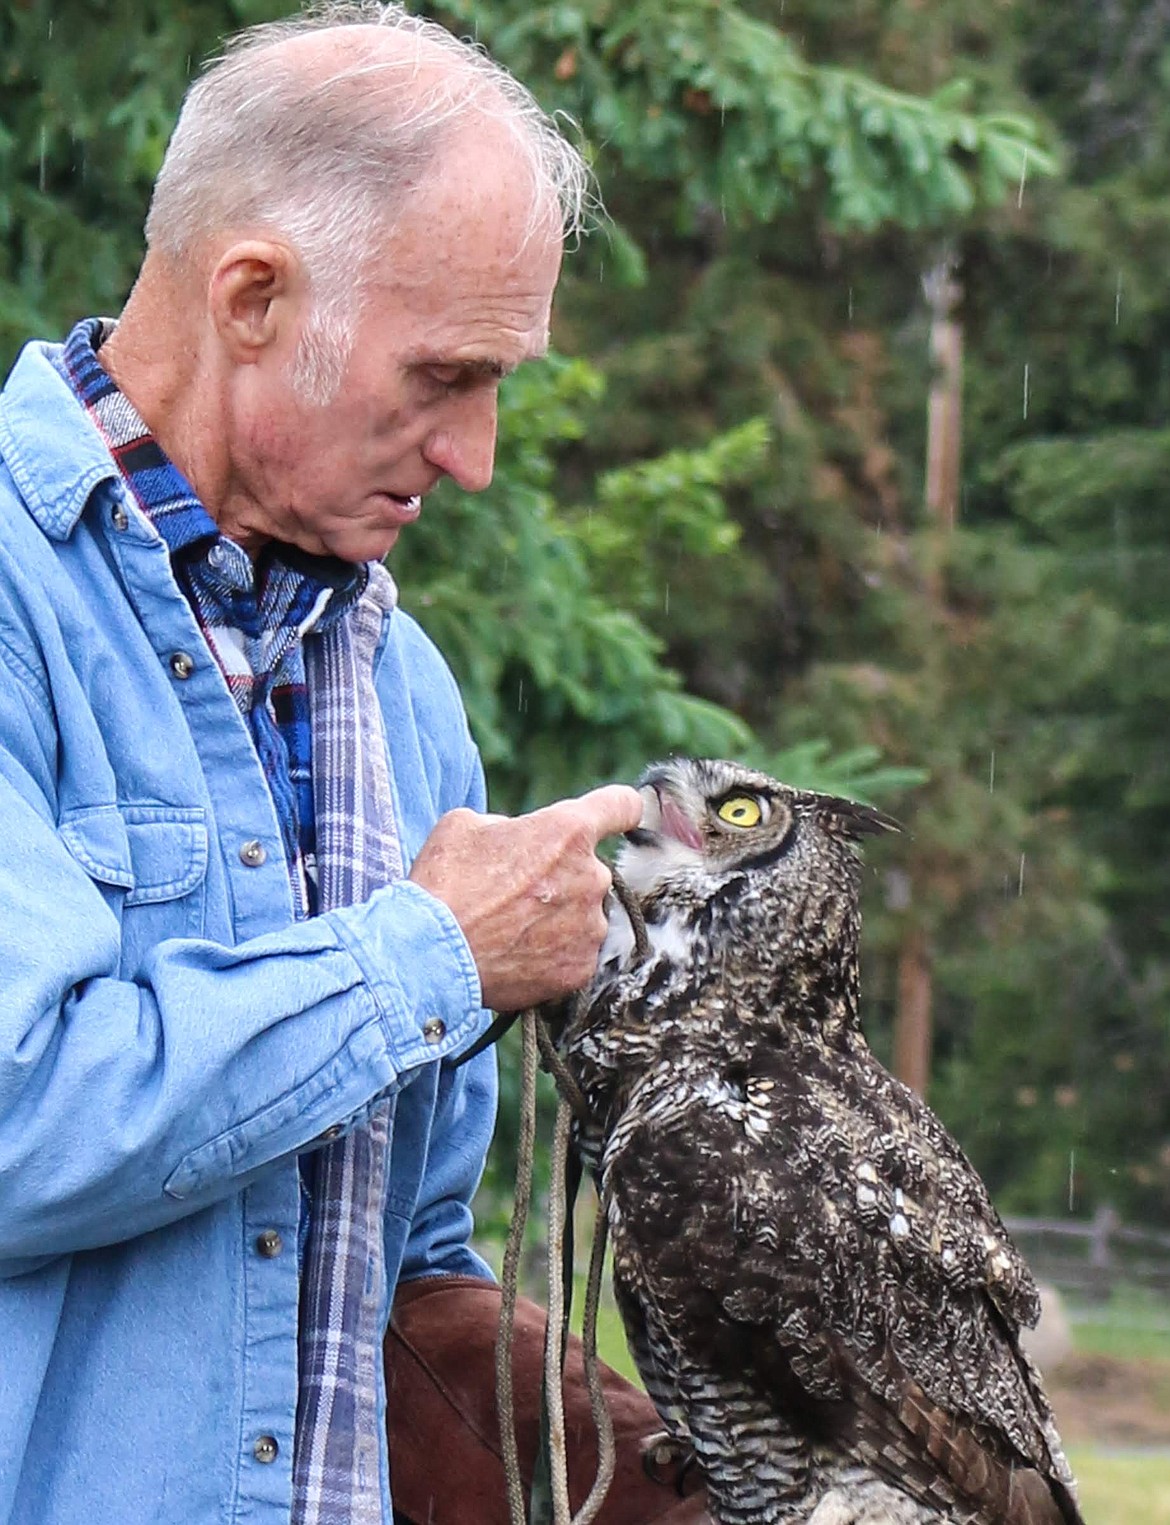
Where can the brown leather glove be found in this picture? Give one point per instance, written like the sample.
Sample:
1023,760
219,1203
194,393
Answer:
445,1466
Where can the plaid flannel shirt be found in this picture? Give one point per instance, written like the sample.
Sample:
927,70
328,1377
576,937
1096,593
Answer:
254,617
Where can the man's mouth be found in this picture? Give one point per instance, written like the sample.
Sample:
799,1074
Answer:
408,508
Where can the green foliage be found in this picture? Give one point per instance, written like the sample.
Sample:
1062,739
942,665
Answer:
1020,664
720,106
856,772
706,536
650,515
1091,510
76,157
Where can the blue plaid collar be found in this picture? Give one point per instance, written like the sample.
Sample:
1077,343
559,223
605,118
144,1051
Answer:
162,491
158,486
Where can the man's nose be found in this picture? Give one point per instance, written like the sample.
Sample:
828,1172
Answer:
464,446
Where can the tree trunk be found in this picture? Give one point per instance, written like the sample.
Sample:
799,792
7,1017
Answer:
944,409
913,1035
912,1025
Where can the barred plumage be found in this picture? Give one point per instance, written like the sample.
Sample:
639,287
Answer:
822,1301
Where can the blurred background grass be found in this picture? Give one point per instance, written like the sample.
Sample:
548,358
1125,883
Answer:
1122,1488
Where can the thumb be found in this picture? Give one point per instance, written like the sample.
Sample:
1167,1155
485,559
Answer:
611,809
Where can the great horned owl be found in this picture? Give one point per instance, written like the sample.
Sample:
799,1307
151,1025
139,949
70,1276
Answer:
818,1293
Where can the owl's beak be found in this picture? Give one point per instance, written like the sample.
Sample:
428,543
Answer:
662,817
651,808
648,829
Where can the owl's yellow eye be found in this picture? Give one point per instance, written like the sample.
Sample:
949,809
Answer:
740,810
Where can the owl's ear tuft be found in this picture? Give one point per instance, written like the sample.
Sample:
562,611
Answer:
850,819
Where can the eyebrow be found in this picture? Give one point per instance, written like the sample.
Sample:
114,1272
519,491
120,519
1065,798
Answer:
486,370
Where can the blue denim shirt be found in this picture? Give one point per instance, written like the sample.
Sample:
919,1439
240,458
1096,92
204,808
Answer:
170,1037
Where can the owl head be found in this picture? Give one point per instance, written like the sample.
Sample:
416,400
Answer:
705,820
727,860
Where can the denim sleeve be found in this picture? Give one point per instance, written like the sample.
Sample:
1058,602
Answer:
125,1104
461,1131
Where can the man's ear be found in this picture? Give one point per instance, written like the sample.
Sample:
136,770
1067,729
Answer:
254,297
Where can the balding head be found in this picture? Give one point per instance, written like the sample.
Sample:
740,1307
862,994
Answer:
321,129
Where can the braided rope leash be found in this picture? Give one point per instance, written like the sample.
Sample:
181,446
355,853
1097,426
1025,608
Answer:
602,1419
571,1102
510,1273
554,1343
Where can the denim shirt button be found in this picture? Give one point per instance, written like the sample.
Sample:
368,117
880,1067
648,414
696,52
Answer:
266,1448
269,1244
434,1029
182,664
119,517
253,854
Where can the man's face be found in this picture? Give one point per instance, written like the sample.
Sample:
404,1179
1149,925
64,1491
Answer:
460,297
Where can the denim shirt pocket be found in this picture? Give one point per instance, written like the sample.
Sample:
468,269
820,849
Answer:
96,835
150,862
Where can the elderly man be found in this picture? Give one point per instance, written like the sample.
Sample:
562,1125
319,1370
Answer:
249,910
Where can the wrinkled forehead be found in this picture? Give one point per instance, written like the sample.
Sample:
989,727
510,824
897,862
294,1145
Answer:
480,197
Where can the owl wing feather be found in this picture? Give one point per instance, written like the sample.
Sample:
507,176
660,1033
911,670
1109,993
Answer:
805,1221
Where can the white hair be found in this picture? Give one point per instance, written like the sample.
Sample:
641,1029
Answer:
328,155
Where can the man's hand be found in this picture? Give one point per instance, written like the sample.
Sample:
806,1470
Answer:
528,891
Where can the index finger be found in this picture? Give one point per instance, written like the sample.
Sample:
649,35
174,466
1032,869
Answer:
609,810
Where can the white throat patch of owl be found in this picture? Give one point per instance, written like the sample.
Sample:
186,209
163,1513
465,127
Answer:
669,938
646,868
